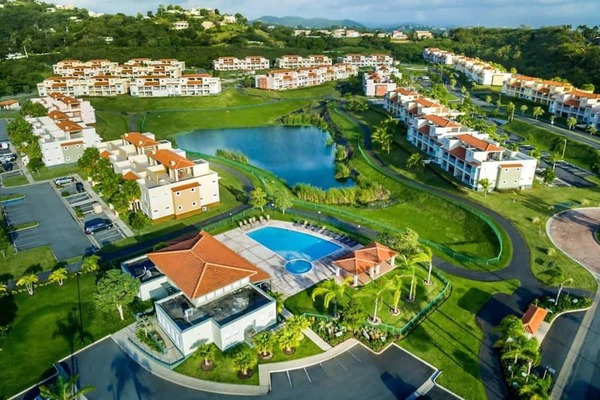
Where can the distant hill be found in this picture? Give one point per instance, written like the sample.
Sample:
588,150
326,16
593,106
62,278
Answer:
310,23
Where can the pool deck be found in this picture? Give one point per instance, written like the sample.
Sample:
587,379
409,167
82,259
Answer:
282,280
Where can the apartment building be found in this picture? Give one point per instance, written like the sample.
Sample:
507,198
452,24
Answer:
437,56
285,79
204,292
66,130
171,185
380,80
9,105
102,85
186,85
180,25
583,106
476,70
366,60
249,63
84,68
130,69
406,105
534,89
296,61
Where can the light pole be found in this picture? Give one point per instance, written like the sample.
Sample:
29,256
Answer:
564,148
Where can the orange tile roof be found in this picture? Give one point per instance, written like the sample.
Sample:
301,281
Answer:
68,126
406,92
130,175
533,318
139,140
185,187
426,103
105,154
511,165
8,102
479,144
203,264
586,95
424,130
58,115
170,159
72,143
362,260
572,103
443,122
459,152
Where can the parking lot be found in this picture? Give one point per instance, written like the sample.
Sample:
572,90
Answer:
57,228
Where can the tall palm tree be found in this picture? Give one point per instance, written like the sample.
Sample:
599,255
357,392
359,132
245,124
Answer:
571,122
58,276
90,264
206,352
560,288
538,112
552,118
287,339
410,263
264,343
415,161
429,253
523,109
510,111
373,290
64,389
29,282
297,324
395,284
243,360
278,297
530,352
592,130
332,291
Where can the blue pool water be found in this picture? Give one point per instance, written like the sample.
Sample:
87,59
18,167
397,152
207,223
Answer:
293,245
298,266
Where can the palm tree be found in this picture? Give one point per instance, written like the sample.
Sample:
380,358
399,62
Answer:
331,290
535,153
511,326
64,389
427,251
263,343
3,289
58,276
488,99
538,112
90,264
411,262
592,130
485,185
552,118
548,175
560,288
296,324
415,161
288,340
278,297
571,122
554,158
373,290
530,352
523,108
395,284
29,282
206,352
243,360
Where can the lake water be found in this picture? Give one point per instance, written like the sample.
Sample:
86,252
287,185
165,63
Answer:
295,154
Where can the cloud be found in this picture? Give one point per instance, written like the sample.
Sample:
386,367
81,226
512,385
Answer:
434,12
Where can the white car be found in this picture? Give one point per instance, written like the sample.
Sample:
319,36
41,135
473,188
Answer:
64,180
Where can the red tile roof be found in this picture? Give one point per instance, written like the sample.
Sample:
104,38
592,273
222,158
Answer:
443,122
130,176
533,318
170,159
8,102
363,259
479,144
203,264
58,115
68,126
105,154
459,152
72,143
139,140
185,187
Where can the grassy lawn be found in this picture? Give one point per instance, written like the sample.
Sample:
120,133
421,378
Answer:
14,265
450,339
55,172
302,302
111,125
529,210
224,370
17,180
11,196
45,329
126,103
167,123
326,90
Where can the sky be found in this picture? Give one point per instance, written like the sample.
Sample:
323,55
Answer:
512,13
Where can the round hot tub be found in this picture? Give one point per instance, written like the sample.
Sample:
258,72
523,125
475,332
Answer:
298,266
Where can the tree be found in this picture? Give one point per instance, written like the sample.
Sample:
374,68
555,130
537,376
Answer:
535,153
510,111
571,122
538,112
523,108
530,352
243,360
282,199
116,290
554,158
29,281
5,242
592,130
560,288
373,290
548,175
552,119
3,290
131,192
415,161
64,389
453,83
258,198
511,326
383,136
206,352
287,339
90,264
29,109
429,254
278,297
395,284
264,343
410,262
485,185
357,105
331,290
58,275
488,99
297,323
588,87
88,160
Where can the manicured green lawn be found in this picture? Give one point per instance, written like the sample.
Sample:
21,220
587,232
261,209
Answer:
302,302
317,92
126,103
14,265
55,172
14,181
11,196
449,338
45,328
111,125
224,370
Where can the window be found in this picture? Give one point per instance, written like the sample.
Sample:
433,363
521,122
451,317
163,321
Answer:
179,208
194,204
68,158
77,146
503,181
177,193
65,148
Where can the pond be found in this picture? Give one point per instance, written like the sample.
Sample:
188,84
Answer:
295,154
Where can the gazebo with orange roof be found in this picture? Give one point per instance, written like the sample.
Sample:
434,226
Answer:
533,318
367,263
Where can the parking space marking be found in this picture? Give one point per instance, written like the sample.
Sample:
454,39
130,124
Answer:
289,379
340,364
324,370
353,355
307,375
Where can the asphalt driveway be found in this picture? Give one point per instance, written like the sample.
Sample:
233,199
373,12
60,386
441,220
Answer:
56,226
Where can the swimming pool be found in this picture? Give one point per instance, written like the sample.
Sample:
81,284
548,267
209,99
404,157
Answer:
293,245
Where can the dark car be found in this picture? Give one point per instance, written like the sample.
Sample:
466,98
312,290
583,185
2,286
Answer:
79,187
97,225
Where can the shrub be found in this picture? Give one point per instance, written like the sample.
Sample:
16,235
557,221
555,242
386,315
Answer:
233,155
138,220
551,252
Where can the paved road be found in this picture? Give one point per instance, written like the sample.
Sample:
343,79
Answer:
3,133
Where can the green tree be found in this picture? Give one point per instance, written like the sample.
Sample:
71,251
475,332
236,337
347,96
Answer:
3,289
382,135
395,284
342,171
33,109
297,323
485,185
29,281
523,108
588,87
591,129
88,160
278,297
243,360
282,199
548,175
357,105
264,343
258,198
332,291
138,220
374,290
510,111
90,264
288,340
488,99
538,112
415,161
58,275
352,315
5,241
535,153
571,122
206,352
65,389
410,262
428,253
116,290
554,158
131,192
36,164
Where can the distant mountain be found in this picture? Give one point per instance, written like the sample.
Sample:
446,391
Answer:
310,23
410,26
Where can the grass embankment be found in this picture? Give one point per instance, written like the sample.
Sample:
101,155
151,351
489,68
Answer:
110,125
55,172
17,180
225,371
450,338
11,196
14,265
45,328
